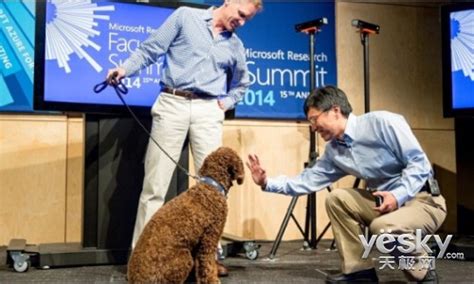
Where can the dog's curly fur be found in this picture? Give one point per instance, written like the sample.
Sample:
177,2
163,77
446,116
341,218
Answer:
184,233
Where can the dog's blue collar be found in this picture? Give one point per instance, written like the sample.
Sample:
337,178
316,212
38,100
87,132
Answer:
212,182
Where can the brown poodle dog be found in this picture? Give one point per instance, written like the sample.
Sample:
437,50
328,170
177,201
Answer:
184,233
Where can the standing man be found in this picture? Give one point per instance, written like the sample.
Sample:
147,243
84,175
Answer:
205,74
380,148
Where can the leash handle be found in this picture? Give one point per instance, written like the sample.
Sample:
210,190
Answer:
120,87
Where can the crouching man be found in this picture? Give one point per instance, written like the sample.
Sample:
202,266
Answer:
380,148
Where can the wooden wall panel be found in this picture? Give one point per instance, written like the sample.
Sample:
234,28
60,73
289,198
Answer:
283,148
41,178
440,148
405,61
32,178
75,179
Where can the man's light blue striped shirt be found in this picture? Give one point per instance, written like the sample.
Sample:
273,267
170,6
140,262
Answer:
195,59
380,148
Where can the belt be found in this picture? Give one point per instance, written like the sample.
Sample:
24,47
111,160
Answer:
186,94
425,188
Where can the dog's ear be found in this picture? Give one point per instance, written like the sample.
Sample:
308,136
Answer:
236,169
235,166
237,174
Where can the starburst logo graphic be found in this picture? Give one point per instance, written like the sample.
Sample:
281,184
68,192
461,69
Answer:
462,42
70,27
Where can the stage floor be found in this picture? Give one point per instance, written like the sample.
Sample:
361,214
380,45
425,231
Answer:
290,265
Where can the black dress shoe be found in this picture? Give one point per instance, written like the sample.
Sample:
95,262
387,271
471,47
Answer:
430,278
366,276
222,270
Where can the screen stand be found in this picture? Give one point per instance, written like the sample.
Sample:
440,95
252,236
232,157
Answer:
309,232
113,177
463,242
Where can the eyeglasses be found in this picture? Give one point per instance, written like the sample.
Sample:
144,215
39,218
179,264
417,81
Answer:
313,119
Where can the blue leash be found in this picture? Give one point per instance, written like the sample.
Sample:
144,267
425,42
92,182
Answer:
120,90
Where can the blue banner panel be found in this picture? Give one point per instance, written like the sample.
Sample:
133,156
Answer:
278,58
17,28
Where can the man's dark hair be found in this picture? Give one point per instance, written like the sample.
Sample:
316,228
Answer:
325,98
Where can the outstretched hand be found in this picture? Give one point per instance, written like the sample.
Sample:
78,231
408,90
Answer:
259,175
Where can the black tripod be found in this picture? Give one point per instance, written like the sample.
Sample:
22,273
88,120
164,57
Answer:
365,30
309,232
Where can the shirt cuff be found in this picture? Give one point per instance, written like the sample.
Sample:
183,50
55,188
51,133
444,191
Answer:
128,67
228,103
401,195
273,185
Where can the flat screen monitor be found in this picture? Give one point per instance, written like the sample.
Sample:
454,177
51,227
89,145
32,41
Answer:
458,59
17,38
78,41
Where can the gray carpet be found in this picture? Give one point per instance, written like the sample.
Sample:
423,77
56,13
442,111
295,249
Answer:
290,265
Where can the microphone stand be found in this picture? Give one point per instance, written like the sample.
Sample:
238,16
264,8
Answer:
309,232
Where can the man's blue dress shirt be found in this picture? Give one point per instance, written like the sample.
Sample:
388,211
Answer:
195,59
378,147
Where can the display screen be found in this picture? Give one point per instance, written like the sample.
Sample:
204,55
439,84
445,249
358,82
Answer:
78,41
458,58
17,36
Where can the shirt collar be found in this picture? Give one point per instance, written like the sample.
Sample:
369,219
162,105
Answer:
351,126
207,16
349,132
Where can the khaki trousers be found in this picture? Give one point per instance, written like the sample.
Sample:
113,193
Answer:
173,118
351,209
